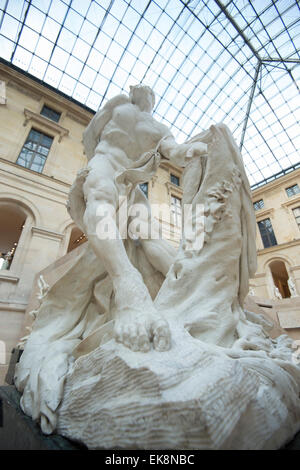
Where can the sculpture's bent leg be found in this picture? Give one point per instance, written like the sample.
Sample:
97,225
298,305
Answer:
160,253
58,327
137,322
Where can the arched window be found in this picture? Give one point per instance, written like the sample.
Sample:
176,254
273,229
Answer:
280,277
77,238
12,220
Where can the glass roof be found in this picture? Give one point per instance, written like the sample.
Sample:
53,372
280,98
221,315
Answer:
207,61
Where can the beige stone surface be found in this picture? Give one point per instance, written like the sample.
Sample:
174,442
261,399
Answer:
207,394
261,307
11,325
289,319
278,207
42,198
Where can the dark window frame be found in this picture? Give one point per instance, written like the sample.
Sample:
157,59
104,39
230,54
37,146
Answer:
175,179
38,144
259,204
144,187
50,113
267,233
176,210
297,217
292,190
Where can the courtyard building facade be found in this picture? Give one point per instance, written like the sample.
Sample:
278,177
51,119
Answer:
41,152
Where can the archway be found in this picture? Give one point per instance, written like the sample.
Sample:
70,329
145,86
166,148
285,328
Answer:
280,277
12,220
77,238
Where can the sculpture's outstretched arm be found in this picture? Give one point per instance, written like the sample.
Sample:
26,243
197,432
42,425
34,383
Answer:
181,154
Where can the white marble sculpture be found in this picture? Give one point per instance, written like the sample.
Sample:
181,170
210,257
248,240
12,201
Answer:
138,346
277,293
292,287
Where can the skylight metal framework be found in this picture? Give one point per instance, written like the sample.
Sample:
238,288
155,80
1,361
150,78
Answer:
207,61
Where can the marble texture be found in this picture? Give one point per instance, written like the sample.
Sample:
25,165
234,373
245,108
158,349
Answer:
138,346
195,396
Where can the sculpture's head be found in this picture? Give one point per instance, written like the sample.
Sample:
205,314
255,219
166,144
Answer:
143,97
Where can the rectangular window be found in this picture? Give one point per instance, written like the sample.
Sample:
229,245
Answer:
258,204
296,213
176,212
175,180
144,188
267,233
292,190
50,113
35,151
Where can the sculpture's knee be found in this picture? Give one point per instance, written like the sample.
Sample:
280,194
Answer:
102,190
99,195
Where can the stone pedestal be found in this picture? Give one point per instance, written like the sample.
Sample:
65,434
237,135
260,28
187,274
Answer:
19,432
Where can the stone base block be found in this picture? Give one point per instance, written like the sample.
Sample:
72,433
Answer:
19,432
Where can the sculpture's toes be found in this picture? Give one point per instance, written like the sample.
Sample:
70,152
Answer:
143,339
161,335
134,336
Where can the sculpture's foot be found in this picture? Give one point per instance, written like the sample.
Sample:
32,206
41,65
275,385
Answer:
255,344
137,330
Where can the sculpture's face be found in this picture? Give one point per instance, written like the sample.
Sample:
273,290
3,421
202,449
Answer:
143,97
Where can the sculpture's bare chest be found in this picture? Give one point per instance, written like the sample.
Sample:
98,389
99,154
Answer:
140,127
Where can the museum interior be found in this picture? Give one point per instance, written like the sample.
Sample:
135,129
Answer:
208,62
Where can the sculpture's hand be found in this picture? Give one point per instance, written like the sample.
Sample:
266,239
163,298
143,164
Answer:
196,149
137,330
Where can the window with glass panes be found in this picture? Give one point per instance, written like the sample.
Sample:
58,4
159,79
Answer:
296,213
50,113
258,204
35,151
176,212
175,180
144,188
292,190
267,233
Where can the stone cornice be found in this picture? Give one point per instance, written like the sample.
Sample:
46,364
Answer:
7,276
168,165
258,275
30,172
271,249
37,90
295,268
173,189
262,213
12,306
45,122
293,176
293,200
45,233
16,85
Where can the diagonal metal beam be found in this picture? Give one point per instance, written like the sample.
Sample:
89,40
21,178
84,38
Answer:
238,29
257,70
3,13
289,61
20,32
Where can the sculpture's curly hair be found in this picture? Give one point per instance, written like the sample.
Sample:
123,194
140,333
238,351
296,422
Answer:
145,87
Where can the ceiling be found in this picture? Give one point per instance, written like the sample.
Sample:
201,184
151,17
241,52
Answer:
207,61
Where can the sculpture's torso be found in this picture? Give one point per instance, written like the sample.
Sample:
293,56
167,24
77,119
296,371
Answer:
133,131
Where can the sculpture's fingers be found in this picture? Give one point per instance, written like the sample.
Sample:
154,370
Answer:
118,333
161,335
143,339
133,337
125,336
